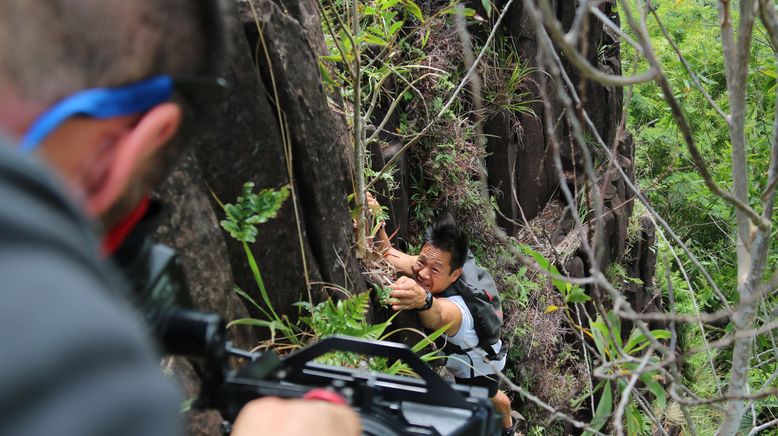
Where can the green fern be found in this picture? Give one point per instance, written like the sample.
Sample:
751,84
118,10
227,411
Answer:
345,317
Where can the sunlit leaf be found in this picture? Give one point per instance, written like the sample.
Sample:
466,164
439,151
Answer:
604,408
372,39
468,12
413,9
253,322
655,388
577,295
770,73
429,338
547,266
600,334
636,338
487,7
332,58
615,324
388,4
395,27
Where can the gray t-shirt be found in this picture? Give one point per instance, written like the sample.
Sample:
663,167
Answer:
75,360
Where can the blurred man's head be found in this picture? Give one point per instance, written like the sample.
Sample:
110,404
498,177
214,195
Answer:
440,260
52,49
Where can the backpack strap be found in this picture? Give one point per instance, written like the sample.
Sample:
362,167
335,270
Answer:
450,348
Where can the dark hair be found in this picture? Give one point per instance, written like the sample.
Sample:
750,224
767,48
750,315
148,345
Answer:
446,236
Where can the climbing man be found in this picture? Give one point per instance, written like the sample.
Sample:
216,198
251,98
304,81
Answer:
428,286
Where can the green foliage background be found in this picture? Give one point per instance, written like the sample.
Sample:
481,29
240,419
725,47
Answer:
665,172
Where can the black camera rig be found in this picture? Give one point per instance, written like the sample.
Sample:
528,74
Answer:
387,404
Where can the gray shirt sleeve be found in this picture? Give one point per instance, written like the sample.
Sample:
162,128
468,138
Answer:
74,358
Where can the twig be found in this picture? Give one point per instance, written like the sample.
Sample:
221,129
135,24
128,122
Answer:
587,360
751,248
769,18
742,334
625,393
683,125
650,413
766,393
580,62
391,110
593,130
330,29
574,34
477,102
616,29
764,426
550,129
359,140
697,309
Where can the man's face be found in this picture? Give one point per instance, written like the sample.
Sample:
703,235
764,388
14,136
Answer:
432,269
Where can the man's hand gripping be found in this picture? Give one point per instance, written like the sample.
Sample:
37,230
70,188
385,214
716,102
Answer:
408,294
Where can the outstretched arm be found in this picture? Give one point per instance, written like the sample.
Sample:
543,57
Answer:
402,261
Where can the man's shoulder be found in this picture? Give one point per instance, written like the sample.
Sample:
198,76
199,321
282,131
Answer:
459,301
50,260
73,355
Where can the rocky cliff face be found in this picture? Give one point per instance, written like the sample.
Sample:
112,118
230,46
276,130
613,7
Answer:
276,128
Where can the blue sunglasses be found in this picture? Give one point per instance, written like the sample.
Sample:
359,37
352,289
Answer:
103,103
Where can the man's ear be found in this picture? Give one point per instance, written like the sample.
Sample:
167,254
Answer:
455,274
130,156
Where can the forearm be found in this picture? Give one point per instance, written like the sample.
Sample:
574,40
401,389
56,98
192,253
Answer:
442,314
402,261
433,318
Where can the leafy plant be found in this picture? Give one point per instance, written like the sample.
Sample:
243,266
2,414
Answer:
617,275
520,287
606,334
506,80
384,295
242,218
252,209
347,317
570,292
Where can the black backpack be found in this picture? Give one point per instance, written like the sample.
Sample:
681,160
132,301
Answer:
477,288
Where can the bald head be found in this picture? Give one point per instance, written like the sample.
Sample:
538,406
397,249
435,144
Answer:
52,48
